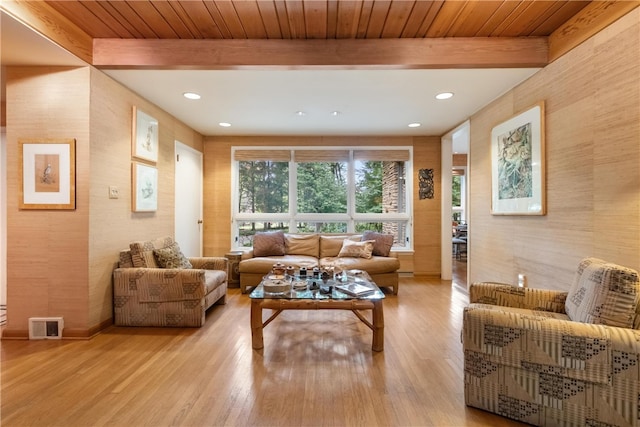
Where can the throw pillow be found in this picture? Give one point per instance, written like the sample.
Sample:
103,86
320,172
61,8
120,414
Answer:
356,249
603,293
268,244
382,242
142,252
171,257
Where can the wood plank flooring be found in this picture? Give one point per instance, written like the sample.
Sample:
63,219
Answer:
317,369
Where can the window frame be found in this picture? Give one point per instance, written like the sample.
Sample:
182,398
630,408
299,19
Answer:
351,217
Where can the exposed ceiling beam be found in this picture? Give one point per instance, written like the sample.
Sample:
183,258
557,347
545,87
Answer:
589,21
51,24
389,53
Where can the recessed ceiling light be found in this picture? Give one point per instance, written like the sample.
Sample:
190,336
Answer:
224,124
335,113
191,95
444,95
300,113
414,125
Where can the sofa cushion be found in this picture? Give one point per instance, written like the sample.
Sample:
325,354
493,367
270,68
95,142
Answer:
171,257
362,249
142,251
213,279
303,244
331,245
603,293
373,265
269,244
263,265
382,242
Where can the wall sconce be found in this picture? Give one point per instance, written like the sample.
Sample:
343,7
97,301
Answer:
425,181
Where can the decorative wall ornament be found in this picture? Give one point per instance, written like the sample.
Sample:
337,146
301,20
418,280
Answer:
145,187
425,180
145,136
517,164
47,173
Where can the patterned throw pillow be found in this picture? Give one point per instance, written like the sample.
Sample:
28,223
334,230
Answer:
603,293
268,244
356,249
382,242
171,257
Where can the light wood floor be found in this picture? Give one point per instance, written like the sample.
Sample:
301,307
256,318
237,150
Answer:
316,369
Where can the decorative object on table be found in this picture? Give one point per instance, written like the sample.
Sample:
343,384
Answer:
47,173
278,269
276,286
425,182
354,289
144,187
145,136
517,164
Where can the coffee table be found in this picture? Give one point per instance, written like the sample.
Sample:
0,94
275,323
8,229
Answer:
312,299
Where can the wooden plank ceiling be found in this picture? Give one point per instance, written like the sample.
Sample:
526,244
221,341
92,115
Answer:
207,34
315,19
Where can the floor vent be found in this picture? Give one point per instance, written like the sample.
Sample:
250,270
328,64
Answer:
45,328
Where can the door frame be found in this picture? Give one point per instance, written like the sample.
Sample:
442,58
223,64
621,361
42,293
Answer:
183,147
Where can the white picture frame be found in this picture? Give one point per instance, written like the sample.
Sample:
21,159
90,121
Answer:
145,136
518,164
144,187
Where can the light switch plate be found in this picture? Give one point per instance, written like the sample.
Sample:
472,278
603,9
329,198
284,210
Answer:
113,192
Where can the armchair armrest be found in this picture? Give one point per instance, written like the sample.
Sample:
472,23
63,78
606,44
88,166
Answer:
510,296
159,284
209,263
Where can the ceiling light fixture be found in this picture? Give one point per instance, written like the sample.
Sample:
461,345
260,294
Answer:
300,113
335,113
191,95
444,95
414,125
225,124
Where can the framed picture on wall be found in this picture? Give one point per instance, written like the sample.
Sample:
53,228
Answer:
145,136
47,173
144,187
517,164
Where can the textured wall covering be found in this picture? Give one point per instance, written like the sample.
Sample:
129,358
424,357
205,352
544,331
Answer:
592,101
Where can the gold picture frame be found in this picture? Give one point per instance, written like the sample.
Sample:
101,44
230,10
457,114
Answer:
144,136
144,187
518,164
47,173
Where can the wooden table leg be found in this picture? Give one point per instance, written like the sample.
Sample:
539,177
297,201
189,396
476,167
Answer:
378,326
256,324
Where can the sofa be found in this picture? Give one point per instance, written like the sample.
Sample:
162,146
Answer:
547,357
156,285
370,252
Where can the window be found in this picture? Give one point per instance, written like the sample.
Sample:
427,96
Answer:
307,190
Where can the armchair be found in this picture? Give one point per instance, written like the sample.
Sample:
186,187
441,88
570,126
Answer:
176,293
547,357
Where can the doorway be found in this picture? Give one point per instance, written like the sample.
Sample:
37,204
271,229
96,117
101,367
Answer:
188,200
455,154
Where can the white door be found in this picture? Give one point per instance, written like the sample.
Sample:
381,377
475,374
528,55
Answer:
188,200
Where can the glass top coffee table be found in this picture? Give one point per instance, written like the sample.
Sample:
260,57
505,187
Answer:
316,294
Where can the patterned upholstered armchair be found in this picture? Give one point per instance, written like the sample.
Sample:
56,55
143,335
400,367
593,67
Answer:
557,358
155,285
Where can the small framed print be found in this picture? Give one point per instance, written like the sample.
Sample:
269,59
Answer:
144,187
517,164
47,173
145,136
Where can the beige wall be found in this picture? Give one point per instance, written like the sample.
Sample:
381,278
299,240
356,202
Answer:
217,191
60,262
592,98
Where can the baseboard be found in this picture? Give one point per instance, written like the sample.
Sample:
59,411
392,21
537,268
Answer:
67,333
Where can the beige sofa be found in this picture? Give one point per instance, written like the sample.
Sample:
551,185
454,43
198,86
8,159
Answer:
310,250
547,357
155,285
